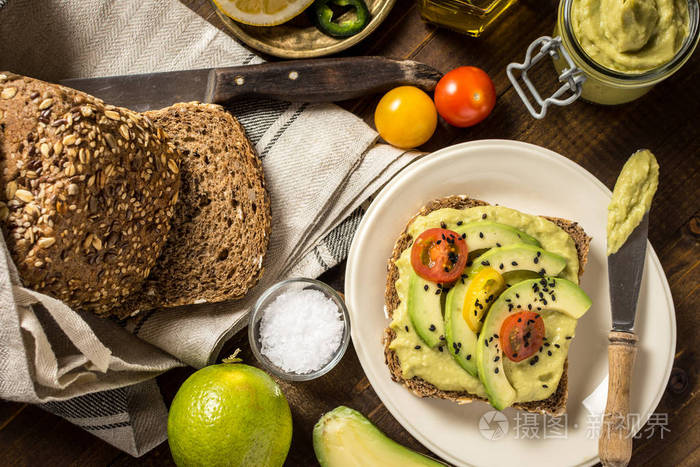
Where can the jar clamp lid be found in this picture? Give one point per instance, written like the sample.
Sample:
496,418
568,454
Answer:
572,76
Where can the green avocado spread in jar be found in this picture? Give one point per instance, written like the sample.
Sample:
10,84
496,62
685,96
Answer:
631,199
630,36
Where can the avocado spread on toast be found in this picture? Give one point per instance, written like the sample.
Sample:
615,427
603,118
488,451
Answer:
454,368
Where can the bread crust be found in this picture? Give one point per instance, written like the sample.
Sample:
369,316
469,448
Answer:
87,192
554,405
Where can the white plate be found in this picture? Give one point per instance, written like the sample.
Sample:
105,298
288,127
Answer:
533,180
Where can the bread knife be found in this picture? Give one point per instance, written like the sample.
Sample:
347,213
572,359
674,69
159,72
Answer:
625,270
317,80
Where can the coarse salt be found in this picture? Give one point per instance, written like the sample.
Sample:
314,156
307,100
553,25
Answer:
301,330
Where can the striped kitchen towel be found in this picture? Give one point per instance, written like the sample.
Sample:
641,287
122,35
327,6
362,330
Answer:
321,164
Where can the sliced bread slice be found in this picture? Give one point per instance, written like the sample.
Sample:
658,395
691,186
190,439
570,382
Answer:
555,404
221,226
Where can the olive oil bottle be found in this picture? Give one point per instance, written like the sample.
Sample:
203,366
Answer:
469,17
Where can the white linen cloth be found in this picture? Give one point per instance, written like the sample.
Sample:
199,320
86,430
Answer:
321,163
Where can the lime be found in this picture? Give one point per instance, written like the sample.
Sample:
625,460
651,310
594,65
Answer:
229,415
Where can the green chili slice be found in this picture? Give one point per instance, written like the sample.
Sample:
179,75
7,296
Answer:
323,14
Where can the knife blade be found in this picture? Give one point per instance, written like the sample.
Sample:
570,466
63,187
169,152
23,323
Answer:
625,276
317,80
625,270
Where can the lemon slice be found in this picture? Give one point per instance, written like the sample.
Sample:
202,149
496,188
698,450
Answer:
262,12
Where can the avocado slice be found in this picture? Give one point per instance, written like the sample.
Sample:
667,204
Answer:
461,340
425,309
520,257
481,235
551,293
526,258
344,437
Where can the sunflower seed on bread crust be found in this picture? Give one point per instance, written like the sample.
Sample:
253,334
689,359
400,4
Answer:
88,210
555,404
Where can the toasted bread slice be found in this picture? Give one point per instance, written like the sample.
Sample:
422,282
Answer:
555,404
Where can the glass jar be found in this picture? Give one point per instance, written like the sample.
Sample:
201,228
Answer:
584,77
470,17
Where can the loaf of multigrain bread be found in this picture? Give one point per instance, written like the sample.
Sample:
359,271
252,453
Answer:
555,404
221,226
87,191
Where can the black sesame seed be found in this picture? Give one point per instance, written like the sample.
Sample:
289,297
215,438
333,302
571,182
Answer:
546,344
536,260
417,347
501,266
439,241
457,351
557,346
485,263
486,343
539,253
515,355
440,348
514,263
496,358
469,357
442,338
549,352
498,245
459,222
432,327
425,287
545,386
490,338
464,236
406,328
438,291
520,320
496,371
481,234
443,225
568,337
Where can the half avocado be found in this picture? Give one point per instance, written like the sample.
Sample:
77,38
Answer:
551,293
344,437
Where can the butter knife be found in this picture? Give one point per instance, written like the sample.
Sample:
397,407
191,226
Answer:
624,276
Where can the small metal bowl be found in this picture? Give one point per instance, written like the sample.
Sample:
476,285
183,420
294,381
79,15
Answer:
268,297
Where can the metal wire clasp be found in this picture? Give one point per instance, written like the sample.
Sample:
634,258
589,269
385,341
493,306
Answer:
571,76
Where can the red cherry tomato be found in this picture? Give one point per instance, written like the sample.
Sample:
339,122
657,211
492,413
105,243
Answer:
439,255
522,334
465,96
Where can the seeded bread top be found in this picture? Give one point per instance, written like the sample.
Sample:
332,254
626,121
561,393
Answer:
88,190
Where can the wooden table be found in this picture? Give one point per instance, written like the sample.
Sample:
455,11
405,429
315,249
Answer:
598,138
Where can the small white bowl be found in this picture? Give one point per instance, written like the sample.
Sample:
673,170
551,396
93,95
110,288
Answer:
268,297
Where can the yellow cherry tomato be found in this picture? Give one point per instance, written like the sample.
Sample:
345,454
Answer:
406,117
483,290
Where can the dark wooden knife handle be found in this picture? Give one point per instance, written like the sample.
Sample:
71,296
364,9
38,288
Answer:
615,443
320,80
